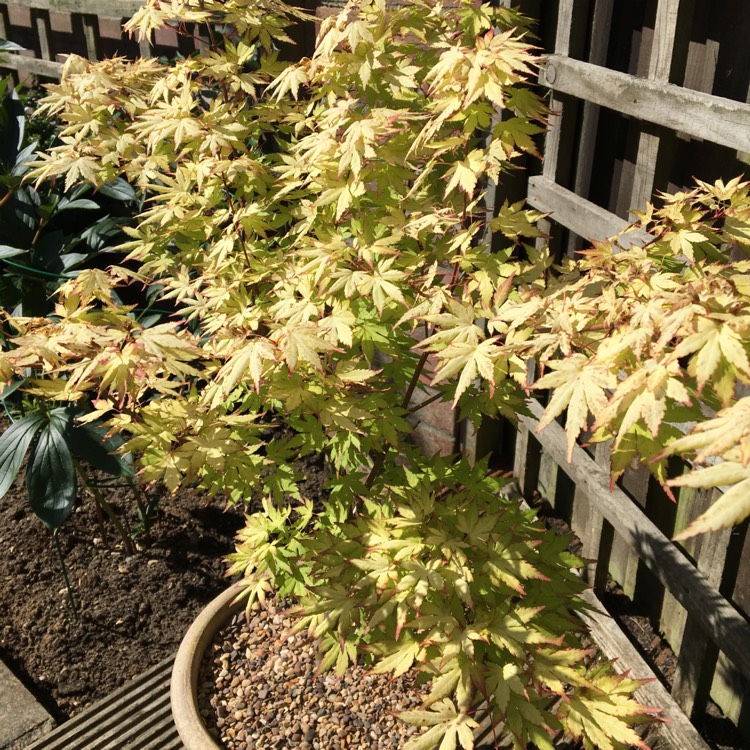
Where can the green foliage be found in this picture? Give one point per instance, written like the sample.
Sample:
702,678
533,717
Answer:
445,574
51,233
57,441
645,341
319,231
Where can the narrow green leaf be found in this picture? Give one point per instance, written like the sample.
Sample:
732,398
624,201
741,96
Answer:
119,190
50,476
14,443
6,251
89,443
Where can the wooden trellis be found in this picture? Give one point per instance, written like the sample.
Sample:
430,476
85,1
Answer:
690,590
50,29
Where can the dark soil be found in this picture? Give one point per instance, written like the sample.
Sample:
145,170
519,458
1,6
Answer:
133,608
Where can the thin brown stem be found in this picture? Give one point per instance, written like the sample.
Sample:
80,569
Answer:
107,508
414,380
6,197
427,402
379,462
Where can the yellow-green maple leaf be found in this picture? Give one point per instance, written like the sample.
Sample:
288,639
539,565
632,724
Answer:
302,343
447,725
729,429
471,361
732,507
604,715
579,384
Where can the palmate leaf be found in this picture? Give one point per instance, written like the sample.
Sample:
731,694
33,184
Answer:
731,508
718,357
336,653
464,174
303,343
580,385
402,657
14,443
729,429
513,630
334,606
50,475
445,722
250,359
604,716
557,669
471,361
441,687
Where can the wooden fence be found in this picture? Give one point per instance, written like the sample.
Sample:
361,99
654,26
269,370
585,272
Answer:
50,29
648,93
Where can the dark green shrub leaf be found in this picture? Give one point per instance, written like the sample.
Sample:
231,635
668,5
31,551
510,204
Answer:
50,475
12,128
14,443
7,46
119,190
6,251
88,443
20,167
82,204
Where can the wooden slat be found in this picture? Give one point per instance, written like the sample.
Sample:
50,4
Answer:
92,37
715,615
107,8
677,733
744,156
692,112
594,532
25,64
553,136
41,22
135,717
527,453
601,26
4,22
580,215
660,63
696,661
554,130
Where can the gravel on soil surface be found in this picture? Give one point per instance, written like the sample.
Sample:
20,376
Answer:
258,690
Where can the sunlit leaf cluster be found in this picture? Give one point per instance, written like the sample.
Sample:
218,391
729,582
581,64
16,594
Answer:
645,344
320,230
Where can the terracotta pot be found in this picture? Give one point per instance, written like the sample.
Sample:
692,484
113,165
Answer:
187,663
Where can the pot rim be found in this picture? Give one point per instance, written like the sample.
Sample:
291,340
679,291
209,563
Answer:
184,683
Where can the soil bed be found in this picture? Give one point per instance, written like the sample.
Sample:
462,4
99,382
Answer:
134,609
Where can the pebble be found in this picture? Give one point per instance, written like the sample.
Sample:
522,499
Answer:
258,689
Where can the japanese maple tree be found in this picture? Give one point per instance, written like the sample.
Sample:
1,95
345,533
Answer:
320,228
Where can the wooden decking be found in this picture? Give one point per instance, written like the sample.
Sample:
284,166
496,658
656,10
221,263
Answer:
135,717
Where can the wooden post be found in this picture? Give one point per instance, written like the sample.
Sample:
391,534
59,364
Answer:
92,36
527,454
595,533
41,22
716,616
600,31
663,50
697,654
